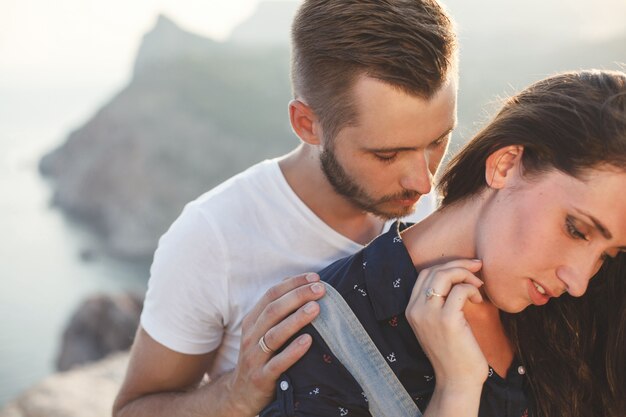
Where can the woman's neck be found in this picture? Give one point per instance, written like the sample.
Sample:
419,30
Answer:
449,234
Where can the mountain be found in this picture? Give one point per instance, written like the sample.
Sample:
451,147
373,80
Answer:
197,111
194,113
168,42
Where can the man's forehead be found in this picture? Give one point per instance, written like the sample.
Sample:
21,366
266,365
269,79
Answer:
394,118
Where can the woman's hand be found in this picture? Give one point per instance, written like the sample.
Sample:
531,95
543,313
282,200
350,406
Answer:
435,313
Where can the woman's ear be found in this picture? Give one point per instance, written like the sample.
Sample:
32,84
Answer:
501,165
304,122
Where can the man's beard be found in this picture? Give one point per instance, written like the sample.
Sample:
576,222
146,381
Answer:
347,187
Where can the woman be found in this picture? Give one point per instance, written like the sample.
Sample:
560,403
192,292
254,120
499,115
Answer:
487,307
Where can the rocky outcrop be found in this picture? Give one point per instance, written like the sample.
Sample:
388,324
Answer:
87,391
93,354
190,118
102,324
168,42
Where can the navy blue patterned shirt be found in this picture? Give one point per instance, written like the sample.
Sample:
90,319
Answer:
376,283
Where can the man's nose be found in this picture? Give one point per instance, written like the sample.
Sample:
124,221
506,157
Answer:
417,176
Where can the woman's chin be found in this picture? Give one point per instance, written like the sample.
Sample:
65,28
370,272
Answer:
506,305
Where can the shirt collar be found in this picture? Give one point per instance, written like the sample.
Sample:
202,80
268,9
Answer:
389,273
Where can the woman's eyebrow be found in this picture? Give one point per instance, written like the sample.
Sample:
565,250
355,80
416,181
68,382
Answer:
598,225
602,229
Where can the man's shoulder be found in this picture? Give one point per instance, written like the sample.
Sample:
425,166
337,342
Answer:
215,222
258,175
231,193
260,191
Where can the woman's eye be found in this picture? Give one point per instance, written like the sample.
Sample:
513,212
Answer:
573,231
386,157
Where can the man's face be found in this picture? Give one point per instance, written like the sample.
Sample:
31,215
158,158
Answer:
387,160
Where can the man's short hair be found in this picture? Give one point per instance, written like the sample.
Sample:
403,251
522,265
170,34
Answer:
409,44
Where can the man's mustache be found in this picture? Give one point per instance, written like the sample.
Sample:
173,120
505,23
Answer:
405,195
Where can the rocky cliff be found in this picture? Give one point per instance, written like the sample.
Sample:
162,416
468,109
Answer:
99,333
195,113
101,325
86,391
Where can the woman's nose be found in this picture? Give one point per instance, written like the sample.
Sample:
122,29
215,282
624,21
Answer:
576,275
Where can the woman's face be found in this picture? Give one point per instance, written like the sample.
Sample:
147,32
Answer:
541,237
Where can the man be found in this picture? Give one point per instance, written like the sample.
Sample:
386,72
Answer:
374,105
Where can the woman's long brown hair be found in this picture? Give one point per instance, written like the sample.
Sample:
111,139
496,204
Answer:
574,349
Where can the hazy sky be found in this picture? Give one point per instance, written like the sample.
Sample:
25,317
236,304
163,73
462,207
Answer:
41,39
63,59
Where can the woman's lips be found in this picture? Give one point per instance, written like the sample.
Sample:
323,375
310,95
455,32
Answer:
538,296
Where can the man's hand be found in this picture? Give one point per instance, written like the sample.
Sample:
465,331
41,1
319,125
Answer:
282,312
163,383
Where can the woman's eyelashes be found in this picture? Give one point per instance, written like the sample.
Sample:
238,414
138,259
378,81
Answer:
573,230
575,233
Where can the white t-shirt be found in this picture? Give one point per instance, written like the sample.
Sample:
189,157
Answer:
225,250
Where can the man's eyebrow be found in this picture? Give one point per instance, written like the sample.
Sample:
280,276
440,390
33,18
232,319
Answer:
408,148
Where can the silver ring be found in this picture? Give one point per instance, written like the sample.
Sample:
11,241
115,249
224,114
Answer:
430,293
263,346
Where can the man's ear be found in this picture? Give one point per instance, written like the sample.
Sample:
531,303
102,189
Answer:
304,122
502,164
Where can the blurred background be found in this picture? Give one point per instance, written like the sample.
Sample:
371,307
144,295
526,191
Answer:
114,114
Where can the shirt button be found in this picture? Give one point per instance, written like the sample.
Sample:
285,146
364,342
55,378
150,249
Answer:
521,370
284,385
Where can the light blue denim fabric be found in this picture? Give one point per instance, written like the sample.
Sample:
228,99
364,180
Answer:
350,343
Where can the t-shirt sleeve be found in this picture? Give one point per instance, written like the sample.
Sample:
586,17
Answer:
186,305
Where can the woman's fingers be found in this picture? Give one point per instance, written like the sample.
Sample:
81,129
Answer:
439,279
459,295
435,313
